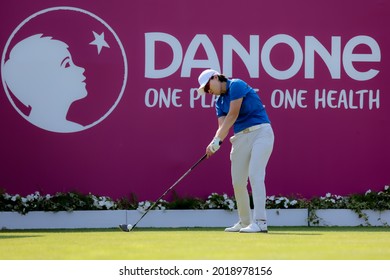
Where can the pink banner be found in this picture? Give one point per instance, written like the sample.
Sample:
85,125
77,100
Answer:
100,96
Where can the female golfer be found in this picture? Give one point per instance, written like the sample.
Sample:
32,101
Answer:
238,105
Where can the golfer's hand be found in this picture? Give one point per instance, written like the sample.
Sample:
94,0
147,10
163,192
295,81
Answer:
209,153
213,146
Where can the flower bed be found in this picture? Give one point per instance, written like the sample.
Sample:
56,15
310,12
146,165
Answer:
72,201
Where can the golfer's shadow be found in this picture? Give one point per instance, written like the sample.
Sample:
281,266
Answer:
292,233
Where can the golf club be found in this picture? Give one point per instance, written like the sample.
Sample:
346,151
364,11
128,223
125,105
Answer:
128,227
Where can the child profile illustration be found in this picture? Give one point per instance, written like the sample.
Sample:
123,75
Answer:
41,74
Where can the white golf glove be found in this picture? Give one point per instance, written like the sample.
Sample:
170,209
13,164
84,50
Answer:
215,144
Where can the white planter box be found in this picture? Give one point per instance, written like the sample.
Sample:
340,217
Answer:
182,218
346,217
155,218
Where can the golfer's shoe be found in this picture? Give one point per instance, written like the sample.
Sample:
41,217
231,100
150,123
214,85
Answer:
124,227
255,227
236,228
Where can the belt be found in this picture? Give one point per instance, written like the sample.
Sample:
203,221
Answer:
252,128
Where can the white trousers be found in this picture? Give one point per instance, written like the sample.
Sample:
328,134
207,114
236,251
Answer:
249,157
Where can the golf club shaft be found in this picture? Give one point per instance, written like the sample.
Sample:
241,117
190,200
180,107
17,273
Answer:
170,188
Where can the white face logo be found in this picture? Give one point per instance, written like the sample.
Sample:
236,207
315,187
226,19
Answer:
40,73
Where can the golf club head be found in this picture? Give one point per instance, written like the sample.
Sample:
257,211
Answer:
125,227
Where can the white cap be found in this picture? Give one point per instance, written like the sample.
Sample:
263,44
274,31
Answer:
204,78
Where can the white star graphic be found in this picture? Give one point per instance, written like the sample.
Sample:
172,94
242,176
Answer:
99,41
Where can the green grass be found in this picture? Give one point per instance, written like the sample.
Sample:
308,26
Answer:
281,243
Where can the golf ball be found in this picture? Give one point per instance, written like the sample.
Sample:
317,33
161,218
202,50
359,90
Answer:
129,226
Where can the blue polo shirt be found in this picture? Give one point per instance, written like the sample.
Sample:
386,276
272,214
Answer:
252,111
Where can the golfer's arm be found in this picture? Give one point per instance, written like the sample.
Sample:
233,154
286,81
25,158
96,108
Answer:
225,123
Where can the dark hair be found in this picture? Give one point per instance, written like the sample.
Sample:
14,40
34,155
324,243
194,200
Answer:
222,78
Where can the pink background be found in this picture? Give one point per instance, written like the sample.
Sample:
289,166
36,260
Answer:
143,150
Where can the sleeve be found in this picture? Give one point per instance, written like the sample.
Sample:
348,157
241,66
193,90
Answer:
238,89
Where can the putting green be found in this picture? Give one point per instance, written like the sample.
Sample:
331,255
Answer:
281,243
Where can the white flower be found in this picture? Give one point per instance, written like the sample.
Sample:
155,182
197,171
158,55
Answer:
230,204
212,194
109,204
328,195
387,187
293,202
367,192
143,205
15,197
37,195
96,202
